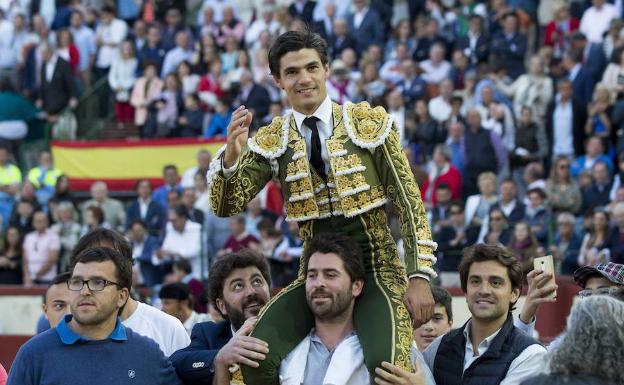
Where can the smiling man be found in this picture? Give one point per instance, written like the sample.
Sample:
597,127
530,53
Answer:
488,349
338,166
92,343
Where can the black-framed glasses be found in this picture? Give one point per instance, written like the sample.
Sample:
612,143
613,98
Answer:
96,284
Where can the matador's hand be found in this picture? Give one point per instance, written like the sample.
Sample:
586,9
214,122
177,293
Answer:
419,301
238,131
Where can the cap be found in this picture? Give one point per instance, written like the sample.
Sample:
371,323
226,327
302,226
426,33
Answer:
614,272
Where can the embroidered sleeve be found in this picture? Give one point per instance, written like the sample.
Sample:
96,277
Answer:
402,190
230,196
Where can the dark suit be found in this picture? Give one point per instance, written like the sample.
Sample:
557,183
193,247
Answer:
616,241
305,14
516,215
595,61
195,363
56,93
509,52
152,275
579,116
450,256
595,196
258,100
583,87
370,31
481,52
155,217
337,45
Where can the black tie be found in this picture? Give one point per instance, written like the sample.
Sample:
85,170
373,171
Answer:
315,158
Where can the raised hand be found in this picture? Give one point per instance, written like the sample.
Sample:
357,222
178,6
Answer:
238,131
242,349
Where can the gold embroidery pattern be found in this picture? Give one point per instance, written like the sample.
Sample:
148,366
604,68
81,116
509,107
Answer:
345,183
405,196
369,124
302,210
270,139
391,275
361,202
345,163
300,186
334,147
297,167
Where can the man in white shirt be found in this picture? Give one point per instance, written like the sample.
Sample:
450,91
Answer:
488,349
436,68
109,35
266,23
180,53
204,157
177,301
182,240
165,330
596,20
84,39
440,106
331,353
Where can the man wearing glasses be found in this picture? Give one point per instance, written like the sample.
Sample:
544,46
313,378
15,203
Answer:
603,279
92,342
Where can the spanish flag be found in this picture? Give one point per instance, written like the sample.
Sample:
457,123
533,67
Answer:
121,163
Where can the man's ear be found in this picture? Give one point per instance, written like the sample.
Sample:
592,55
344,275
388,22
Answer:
277,81
515,294
124,295
220,305
357,287
44,307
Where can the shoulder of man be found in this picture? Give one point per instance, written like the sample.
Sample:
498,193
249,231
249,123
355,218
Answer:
271,140
367,127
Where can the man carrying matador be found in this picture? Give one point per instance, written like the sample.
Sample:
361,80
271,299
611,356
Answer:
338,166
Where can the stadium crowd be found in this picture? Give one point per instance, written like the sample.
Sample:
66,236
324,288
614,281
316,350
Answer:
511,112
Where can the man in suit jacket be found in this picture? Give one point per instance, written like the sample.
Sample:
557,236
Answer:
144,208
568,117
57,89
476,44
340,39
254,97
582,81
302,9
593,59
365,25
509,46
238,288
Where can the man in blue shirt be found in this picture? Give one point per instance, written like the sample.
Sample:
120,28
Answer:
91,343
170,177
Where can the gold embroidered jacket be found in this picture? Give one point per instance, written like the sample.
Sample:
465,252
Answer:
367,168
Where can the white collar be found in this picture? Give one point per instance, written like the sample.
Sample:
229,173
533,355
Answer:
323,112
485,344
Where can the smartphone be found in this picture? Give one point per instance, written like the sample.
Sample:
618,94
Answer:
547,265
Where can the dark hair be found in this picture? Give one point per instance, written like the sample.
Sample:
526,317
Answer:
98,213
443,186
484,253
179,211
123,265
137,222
102,237
538,191
184,265
457,204
138,183
222,269
109,9
60,278
177,290
345,247
442,297
294,41
170,167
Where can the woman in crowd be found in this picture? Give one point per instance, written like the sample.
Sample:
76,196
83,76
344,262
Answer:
11,258
591,351
121,78
524,246
189,80
369,87
68,231
93,219
146,90
206,51
426,133
66,49
563,192
595,247
402,34
599,115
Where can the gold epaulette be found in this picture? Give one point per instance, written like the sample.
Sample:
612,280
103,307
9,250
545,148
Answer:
367,127
271,141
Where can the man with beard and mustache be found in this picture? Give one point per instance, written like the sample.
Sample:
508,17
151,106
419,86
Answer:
239,288
92,343
332,352
488,349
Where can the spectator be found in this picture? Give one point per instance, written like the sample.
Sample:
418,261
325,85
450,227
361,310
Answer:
442,172
188,79
459,70
509,46
491,327
496,228
93,218
206,53
202,201
173,25
599,115
254,97
476,43
512,207
239,288
144,246
613,77
594,152
537,214
478,205
531,144
41,252
581,78
146,90
524,246
182,271
188,202
66,49
114,212
596,19
11,271
369,86
595,246
191,119
182,240
566,244
167,109
98,330
559,29
483,151
121,79
109,35
170,179
58,88
239,238
177,301
440,106
57,299
16,114
266,22
497,117
435,68
395,106
563,192
366,26
455,143
602,279
229,27
597,194
412,86
440,324
564,122
209,88
341,87
152,51
44,177
593,340
84,39
177,55
204,157
146,209
22,217
426,36
68,231
617,234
